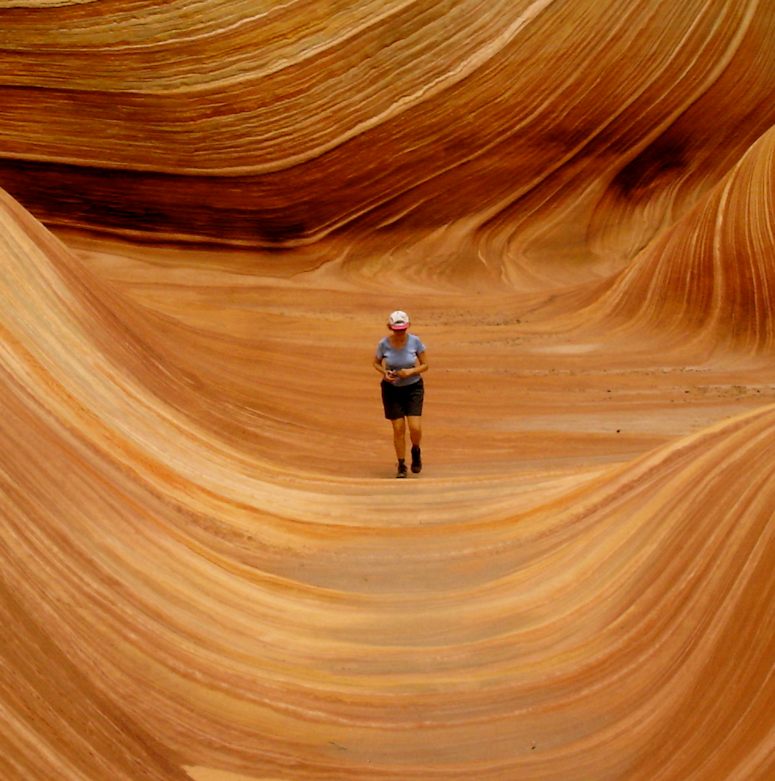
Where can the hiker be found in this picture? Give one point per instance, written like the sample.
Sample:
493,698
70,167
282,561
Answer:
400,359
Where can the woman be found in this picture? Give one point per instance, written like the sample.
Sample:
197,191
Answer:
400,359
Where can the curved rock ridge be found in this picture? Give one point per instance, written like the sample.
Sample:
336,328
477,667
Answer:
710,278
613,623
276,124
207,570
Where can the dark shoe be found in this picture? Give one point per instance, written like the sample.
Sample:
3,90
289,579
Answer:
401,471
416,459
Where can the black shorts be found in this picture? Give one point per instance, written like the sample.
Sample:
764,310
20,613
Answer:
402,400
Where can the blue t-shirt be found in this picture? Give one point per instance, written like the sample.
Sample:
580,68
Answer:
401,357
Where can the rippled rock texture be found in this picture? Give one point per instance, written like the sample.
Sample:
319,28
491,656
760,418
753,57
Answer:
207,210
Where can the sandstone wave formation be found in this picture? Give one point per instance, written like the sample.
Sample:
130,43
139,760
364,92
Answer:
207,571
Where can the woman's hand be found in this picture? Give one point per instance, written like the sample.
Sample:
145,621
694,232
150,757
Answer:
403,373
391,375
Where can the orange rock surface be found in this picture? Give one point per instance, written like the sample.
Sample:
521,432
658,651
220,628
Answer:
207,209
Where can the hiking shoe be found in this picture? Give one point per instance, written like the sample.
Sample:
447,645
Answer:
401,470
416,459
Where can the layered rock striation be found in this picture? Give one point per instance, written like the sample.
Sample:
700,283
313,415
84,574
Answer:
207,571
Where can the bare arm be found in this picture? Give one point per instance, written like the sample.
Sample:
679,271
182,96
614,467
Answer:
379,365
420,366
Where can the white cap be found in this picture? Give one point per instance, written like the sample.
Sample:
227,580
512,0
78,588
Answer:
398,321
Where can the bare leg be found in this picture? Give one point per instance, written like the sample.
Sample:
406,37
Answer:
399,437
415,434
415,429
